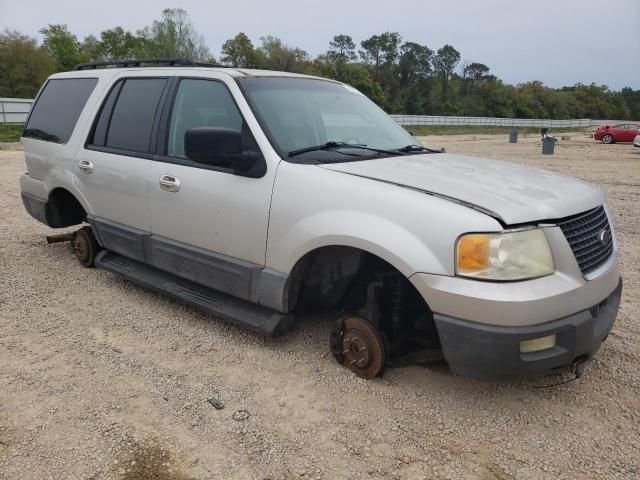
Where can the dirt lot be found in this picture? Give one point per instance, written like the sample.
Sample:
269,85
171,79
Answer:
101,379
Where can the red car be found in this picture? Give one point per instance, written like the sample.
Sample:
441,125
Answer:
623,132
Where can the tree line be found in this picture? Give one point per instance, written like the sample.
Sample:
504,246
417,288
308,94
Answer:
400,76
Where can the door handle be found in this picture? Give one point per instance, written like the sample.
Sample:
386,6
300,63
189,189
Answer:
169,183
85,166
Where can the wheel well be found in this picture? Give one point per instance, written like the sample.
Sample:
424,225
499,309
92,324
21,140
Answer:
64,210
355,281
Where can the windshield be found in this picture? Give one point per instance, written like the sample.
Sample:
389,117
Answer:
301,113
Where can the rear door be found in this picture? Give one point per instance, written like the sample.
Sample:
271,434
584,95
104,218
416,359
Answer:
113,167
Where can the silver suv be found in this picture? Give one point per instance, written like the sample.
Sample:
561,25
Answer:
257,195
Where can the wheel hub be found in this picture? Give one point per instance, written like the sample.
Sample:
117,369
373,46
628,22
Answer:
362,349
80,248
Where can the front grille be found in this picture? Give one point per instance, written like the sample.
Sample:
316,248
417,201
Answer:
590,237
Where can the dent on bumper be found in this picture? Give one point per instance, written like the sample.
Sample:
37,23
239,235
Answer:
483,351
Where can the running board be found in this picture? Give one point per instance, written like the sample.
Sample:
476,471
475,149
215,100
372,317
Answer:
240,312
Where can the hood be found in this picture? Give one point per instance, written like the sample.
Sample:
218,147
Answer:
509,192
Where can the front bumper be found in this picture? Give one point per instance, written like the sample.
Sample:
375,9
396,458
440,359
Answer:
481,323
491,352
522,303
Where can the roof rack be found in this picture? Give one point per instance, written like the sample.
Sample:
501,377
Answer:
156,62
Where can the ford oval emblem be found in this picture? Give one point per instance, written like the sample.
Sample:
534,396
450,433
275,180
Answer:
605,236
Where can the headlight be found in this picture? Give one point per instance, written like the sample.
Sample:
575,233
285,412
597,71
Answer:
516,255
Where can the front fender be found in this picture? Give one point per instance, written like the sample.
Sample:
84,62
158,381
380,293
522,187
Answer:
415,232
365,231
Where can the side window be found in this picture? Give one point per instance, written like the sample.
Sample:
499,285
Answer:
56,112
127,116
100,130
201,103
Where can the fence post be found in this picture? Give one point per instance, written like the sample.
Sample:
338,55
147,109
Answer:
4,117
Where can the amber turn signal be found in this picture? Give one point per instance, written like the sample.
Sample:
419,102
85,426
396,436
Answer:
473,252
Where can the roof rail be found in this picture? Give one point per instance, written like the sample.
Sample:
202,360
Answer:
159,62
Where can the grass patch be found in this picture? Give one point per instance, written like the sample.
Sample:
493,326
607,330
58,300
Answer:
10,132
421,130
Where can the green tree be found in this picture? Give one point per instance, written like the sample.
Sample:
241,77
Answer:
390,42
380,50
471,74
597,101
380,53
63,47
632,99
275,55
444,64
414,68
342,49
173,36
371,52
360,78
23,65
490,98
118,44
400,77
92,47
239,51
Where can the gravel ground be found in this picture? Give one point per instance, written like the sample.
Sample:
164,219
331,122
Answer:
100,379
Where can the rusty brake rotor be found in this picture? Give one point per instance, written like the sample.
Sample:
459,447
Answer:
358,345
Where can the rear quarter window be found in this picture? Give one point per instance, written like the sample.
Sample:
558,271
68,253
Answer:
56,111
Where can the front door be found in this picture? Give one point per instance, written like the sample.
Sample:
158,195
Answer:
209,225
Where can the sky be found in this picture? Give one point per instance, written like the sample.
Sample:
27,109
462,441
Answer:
559,42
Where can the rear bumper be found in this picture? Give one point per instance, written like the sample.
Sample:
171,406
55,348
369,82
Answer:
492,352
34,197
36,207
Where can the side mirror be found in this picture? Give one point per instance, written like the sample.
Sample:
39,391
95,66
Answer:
218,146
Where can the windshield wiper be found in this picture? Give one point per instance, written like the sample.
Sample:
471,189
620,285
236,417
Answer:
417,148
333,145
